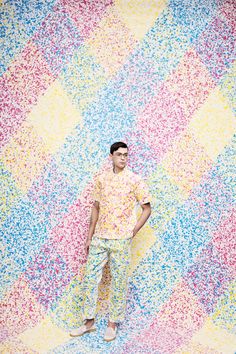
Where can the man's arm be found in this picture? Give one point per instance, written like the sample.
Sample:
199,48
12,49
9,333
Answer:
146,212
92,225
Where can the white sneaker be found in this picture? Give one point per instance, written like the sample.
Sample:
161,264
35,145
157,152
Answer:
110,334
82,330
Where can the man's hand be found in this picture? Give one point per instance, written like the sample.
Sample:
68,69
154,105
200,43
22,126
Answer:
87,245
146,212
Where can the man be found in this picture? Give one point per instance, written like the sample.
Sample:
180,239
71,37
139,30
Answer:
113,225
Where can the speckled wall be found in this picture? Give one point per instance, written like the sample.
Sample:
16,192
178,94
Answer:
78,75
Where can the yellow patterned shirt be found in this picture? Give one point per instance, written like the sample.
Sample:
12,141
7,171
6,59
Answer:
118,194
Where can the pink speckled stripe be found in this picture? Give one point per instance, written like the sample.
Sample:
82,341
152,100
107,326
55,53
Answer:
25,80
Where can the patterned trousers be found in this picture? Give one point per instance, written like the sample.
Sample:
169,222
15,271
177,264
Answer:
117,252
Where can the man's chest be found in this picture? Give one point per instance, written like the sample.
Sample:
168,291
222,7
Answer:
117,189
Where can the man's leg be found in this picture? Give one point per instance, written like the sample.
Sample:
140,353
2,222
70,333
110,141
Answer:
98,257
119,266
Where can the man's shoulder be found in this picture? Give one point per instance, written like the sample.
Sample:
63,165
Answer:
102,175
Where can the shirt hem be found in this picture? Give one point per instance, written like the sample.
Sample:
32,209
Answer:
112,237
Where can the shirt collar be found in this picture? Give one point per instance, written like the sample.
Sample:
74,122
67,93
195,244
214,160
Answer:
122,173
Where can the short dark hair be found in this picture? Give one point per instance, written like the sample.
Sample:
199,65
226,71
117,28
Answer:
114,147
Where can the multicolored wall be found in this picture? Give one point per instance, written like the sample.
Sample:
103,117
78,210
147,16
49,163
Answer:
78,75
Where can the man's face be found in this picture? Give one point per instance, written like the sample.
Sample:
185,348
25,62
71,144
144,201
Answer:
119,158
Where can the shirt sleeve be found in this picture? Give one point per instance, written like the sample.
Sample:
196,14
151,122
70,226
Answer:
96,194
142,192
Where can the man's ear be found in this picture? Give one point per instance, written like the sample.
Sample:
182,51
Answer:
110,156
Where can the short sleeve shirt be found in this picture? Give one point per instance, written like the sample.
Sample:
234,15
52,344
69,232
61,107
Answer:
118,194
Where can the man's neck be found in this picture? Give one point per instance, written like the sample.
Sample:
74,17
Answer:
117,170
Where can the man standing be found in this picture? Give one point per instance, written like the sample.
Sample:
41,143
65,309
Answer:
113,224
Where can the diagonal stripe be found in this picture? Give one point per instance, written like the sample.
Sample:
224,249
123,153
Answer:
20,91
35,337
182,314
174,325
25,310
208,277
86,15
217,57
54,117
111,42
20,20
25,156
227,86
10,271
227,11
14,345
9,192
194,347
57,38
139,16
190,83
186,162
216,338
224,241
32,61
225,310
214,124
195,14
83,77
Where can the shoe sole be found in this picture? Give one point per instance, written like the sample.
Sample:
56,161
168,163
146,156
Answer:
79,335
109,340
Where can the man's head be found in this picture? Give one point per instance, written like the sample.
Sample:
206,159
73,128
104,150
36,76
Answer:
119,155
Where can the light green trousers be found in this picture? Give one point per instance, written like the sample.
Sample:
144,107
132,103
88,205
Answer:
117,252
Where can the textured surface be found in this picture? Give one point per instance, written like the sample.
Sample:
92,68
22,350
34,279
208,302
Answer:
77,76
